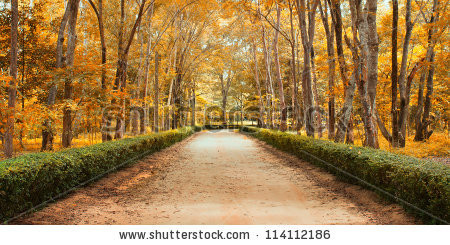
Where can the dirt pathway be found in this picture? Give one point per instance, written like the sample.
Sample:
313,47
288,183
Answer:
220,177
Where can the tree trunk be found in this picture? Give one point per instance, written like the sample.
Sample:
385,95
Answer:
394,74
420,98
307,34
345,125
176,99
224,110
67,133
121,73
363,59
424,108
283,109
99,13
331,70
404,96
106,122
176,89
120,84
102,41
383,128
9,134
156,99
122,63
23,78
242,110
225,87
372,64
306,93
194,98
258,87
350,137
47,130
423,132
145,122
169,105
136,114
295,105
317,116
268,80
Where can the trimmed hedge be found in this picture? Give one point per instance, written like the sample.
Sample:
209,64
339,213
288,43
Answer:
422,183
31,179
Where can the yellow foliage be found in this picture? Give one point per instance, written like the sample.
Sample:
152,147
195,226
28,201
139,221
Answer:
437,145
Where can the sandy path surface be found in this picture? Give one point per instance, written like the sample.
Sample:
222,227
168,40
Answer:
220,177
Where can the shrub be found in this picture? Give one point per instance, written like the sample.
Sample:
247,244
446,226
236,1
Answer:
28,180
425,184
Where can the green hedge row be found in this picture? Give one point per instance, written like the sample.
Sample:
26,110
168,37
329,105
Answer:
28,180
425,184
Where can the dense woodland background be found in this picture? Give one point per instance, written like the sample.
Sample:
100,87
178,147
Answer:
80,72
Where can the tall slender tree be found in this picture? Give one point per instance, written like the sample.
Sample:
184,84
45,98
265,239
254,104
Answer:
68,23
258,87
67,133
329,33
124,44
422,116
283,109
156,94
12,90
306,10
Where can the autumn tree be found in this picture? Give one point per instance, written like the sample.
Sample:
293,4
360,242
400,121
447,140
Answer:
63,60
329,32
422,116
9,134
